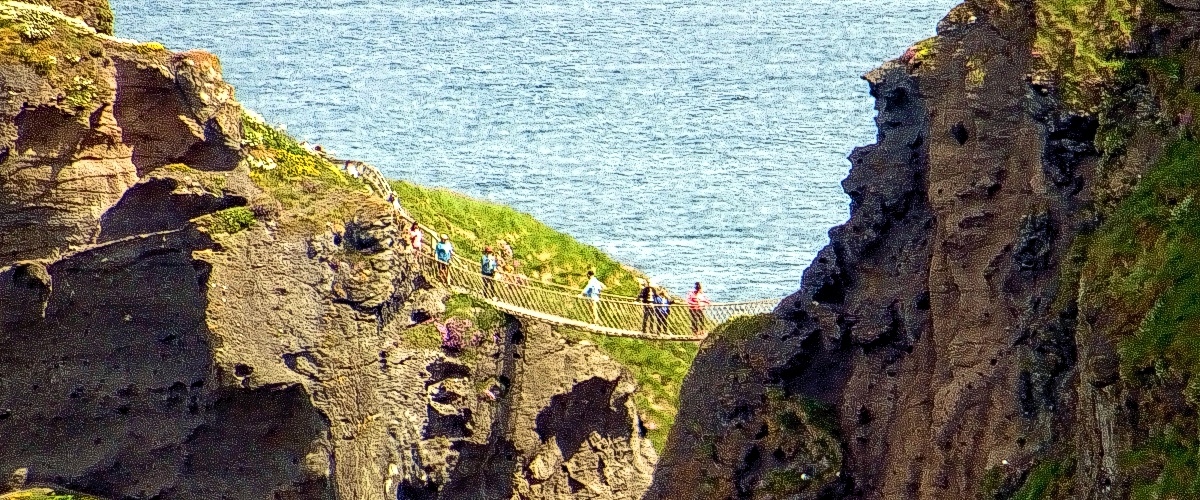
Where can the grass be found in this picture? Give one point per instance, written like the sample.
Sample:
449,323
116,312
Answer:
1143,271
742,328
1048,480
231,220
1166,466
486,320
423,336
1082,41
1145,261
311,190
544,254
44,494
658,367
67,55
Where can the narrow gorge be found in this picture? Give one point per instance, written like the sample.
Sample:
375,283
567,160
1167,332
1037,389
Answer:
194,306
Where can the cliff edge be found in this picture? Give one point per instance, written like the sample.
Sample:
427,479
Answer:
192,305
1007,312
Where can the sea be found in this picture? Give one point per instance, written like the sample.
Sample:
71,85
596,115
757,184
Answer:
700,140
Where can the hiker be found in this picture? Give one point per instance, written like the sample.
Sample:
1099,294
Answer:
662,308
697,302
351,169
444,251
646,297
487,269
592,291
416,237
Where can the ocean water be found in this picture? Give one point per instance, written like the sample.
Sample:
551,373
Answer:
696,140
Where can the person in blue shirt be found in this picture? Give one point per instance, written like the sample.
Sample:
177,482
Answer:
662,308
444,251
487,268
592,291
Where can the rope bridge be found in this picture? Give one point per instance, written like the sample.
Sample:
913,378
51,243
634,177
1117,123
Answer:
611,315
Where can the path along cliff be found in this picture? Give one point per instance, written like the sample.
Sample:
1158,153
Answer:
194,306
1010,310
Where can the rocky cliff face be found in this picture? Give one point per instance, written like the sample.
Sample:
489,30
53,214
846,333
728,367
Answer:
983,325
189,309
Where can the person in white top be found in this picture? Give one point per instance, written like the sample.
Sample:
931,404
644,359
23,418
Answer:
592,291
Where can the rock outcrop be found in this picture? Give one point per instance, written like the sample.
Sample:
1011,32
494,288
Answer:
175,324
965,325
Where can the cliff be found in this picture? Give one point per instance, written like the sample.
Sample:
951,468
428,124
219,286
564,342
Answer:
1009,311
194,306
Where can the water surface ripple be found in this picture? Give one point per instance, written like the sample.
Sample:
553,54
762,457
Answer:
700,140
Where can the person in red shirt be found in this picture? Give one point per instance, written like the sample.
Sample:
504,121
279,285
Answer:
697,301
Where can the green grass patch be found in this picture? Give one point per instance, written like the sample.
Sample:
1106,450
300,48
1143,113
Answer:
485,317
423,336
65,54
310,190
1166,466
658,367
1143,272
1145,261
1048,480
739,329
544,254
231,220
1081,43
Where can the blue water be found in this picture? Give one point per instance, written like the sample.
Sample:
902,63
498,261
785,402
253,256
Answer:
701,140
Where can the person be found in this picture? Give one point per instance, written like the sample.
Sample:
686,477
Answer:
416,237
352,169
444,251
697,302
592,291
662,308
487,268
646,297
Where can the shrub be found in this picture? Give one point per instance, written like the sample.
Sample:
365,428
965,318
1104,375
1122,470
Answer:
36,26
81,93
231,220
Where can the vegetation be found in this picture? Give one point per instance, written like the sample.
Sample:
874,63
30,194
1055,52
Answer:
56,47
544,254
658,367
1143,272
1170,459
44,494
81,93
1146,260
311,189
1049,479
1081,42
231,220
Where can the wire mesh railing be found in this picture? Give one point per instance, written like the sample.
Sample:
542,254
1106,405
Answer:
608,314
605,315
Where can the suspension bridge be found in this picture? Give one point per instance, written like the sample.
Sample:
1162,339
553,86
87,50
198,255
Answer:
607,314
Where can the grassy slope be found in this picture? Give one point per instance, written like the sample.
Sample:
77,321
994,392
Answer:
545,254
658,367
1144,268
308,190
1140,271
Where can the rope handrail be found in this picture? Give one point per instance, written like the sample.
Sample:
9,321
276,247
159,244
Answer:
616,317
608,314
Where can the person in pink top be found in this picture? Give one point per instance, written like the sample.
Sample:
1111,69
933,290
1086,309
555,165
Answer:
416,236
697,301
